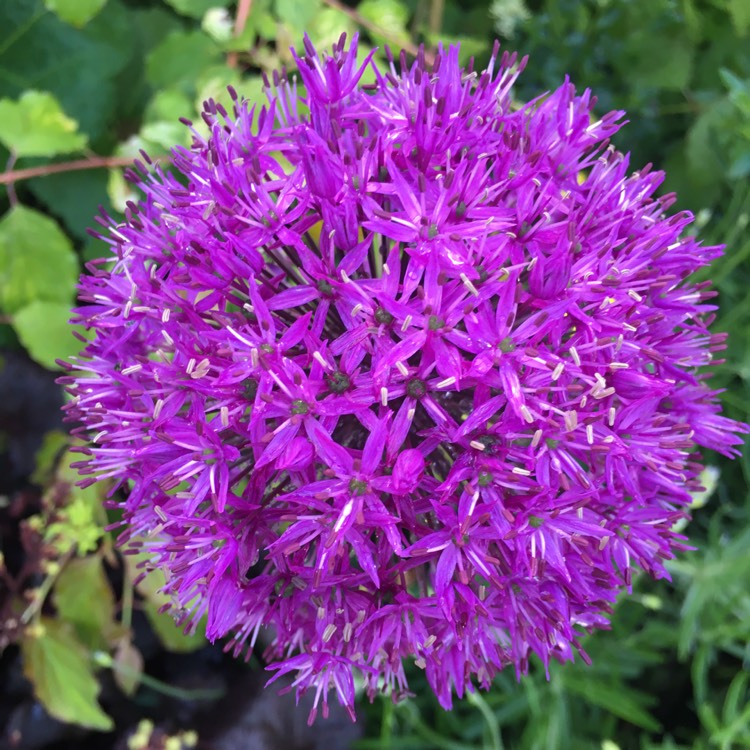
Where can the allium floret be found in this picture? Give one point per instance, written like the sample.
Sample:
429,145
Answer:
399,371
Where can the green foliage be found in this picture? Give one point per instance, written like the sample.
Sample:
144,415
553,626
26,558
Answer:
43,329
37,261
389,15
35,125
180,59
195,8
84,598
75,12
171,637
61,671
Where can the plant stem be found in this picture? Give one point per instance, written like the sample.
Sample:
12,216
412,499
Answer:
240,20
103,659
436,15
98,162
12,197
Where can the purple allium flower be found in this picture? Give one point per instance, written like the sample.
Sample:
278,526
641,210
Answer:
400,371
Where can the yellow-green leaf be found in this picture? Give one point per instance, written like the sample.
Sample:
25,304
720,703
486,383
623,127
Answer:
36,125
37,261
127,666
83,597
60,670
171,636
195,8
44,331
75,12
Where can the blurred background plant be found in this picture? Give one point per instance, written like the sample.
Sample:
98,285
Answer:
85,655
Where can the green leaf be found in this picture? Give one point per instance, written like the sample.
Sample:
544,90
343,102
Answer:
616,699
44,331
180,58
669,64
297,14
75,12
127,667
37,261
46,458
60,670
739,10
389,15
214,81
36,125
73,197
195,8
171,637
40,52
83,597
328,25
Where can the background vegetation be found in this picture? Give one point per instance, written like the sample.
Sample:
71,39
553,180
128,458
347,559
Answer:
85,656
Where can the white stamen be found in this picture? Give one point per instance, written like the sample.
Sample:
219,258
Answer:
522,472
476,445
345,277
158,406
536,439
558,371
328,632
133,368
590,434
406,323
357,309
168,338
401,367
224,416
574,354
526,414
571,420
348,628
611,415
447,383
603,394
384,396
318,357
634,295
468,284
619,365
165,315
201,369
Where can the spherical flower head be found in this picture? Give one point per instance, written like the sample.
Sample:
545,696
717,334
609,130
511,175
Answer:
399,371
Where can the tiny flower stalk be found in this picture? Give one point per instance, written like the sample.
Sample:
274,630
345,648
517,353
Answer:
399,371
